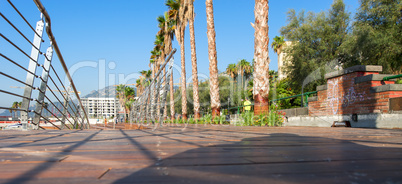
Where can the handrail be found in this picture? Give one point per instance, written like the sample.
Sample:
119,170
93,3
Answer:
392,77
284,98
59,55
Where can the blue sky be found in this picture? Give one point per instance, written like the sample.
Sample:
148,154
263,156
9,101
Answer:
116,37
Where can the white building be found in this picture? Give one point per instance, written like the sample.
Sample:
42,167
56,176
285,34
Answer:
282,60
101,107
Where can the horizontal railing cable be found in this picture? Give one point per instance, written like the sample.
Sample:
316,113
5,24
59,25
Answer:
24,19
17,95
12,43
8,59
12,25
15,79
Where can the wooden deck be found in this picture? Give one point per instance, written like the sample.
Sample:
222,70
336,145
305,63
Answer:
202,154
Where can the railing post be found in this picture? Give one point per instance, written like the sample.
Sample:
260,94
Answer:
42,87
65,110
30,76
165,90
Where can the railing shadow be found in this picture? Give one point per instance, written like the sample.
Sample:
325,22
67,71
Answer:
277,158
27,176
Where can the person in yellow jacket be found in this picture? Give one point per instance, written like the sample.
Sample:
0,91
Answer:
247,105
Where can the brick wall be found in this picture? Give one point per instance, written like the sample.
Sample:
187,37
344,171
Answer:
343,95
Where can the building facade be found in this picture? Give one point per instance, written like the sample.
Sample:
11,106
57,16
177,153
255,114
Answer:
282,60
101,107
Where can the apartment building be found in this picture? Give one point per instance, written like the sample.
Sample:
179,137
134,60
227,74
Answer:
101,107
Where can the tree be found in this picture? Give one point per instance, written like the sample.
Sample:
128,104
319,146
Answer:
213,62
316,40
15,106
277,44
180,16
126,96
170,27
244,68
194,60
139,86
232,70
261,57
377,35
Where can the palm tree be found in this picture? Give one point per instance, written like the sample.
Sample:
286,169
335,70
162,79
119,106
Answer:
161,24
120,95
14,106
244,70
170,23
129,99
194,60
277,44
213,62
178,11
232,70
138,85
126,96
261,57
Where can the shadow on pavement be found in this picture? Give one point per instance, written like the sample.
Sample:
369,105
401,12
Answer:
287,158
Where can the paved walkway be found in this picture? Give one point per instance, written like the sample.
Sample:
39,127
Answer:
202,154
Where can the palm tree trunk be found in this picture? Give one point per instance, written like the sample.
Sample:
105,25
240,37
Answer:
213,62
261,67
194,62
183,76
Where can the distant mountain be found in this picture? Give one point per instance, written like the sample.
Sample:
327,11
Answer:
107,92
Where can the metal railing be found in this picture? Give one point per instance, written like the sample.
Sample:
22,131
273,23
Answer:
45,98
392,77
304,95
151,104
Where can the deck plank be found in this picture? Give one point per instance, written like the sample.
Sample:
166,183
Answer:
202,154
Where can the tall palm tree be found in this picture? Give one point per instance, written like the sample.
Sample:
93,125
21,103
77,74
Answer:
261,57
213,61
178,11
170,23
194,60
161,24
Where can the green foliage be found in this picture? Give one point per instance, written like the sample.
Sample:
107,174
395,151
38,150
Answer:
398,81
316,38
377,36
220,120
277,43
207,118
248,118
273,118
283,89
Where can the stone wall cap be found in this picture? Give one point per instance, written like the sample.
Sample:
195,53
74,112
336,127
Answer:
322,87
387,87
372,77
312,99
357,68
